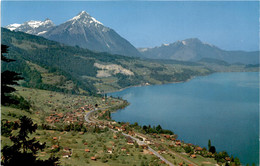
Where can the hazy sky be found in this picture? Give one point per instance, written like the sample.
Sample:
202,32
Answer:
228,25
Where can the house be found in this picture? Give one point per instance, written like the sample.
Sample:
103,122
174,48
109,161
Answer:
193,156
148,141
173,139
228,159
93,158
115,137
109,150
123,149
54,147
178,143
66,155
198,149
87,150
144,146
118,129
130,142
167,136
54,138
66,149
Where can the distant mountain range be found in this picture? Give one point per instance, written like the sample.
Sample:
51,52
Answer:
82,30
194,50
85,31
33,27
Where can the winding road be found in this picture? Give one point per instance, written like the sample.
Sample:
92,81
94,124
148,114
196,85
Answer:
87,118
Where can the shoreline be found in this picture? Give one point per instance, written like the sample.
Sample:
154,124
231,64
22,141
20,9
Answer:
141,85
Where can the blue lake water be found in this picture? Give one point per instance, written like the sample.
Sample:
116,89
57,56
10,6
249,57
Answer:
222,107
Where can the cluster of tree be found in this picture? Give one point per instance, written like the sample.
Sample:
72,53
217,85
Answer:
188,149
24,149
65,127
125,81
158,129
221,156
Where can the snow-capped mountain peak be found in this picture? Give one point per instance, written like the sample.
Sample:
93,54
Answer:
85,18
13,26
34,24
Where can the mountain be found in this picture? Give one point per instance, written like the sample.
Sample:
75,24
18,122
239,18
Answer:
32,27
194,50
82,30
86,32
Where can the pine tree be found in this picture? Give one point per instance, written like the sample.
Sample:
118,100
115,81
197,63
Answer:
8,78
209,144
23,150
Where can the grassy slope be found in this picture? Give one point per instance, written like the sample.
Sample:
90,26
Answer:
42,107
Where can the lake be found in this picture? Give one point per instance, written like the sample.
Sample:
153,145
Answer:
222,107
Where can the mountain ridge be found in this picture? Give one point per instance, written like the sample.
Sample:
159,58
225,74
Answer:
193,49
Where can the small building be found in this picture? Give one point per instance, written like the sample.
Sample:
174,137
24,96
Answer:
110,150
144,146
198,149
66,149
123,149
193,156
130,142
178,143
93,158
66,155
55,146
87,150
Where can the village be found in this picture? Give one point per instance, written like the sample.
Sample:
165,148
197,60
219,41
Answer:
166,147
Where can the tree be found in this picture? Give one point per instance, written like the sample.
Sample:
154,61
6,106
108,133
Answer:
8,79
159,128
212,149
237,161
23,150
209,144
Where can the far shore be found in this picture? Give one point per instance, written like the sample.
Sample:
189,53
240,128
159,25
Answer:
119,90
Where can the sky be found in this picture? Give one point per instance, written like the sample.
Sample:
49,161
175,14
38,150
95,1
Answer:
227,25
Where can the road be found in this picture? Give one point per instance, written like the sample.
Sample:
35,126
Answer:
87,118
